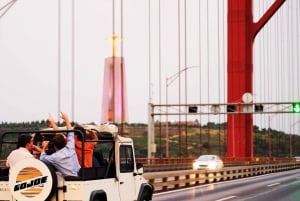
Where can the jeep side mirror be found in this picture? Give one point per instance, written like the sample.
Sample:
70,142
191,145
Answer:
140,169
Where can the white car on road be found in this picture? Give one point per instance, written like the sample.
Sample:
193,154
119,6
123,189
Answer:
209,162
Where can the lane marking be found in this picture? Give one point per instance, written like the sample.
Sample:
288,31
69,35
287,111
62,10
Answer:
227,198
274,184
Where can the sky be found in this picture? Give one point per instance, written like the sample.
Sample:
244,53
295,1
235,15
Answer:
30,55
29,59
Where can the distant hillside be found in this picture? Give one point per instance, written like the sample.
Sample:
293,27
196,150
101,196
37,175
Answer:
211,140
194,140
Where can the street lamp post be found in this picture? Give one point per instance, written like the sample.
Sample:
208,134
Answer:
270,118
169,81
167,122
269,137
4,9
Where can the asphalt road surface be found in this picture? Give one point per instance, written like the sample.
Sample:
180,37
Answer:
282,186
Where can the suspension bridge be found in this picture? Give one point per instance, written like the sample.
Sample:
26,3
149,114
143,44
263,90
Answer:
187,61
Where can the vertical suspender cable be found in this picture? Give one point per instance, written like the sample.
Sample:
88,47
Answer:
122,23
113,60
219,75
297,50
265,66
113,16
208,74
277,84
268,59
264,59
123,72
293,48
259,57
59,60
282,74
179,79
288,53
159,73
277,56
150,78
256,68
73,60
185,74
225,72
291,64
200,75
268,69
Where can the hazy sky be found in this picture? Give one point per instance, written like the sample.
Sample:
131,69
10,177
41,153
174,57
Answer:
29,55
29,58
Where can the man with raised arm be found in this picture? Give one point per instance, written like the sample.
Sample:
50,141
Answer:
64,159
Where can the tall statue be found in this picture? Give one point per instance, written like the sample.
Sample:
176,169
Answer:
114,99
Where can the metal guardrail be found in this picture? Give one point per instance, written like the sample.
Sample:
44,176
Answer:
182,179
166,167
159,165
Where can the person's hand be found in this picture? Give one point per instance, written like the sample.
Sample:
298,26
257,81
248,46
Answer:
64,116
36,149
50,121
45,145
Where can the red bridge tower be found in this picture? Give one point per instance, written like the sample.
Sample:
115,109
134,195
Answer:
241,33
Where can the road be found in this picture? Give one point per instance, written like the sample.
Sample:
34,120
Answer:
281,186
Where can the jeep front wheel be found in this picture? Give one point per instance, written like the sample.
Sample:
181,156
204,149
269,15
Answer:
145,196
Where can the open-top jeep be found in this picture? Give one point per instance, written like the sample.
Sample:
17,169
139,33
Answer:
117,177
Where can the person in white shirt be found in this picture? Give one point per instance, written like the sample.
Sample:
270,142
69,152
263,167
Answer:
24,148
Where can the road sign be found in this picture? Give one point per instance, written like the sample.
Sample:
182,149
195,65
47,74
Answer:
296,107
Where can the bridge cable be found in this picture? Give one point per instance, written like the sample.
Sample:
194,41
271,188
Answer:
160,77
59,60
73,60
179,77
219,76
208,72
225,72
200,76
185,73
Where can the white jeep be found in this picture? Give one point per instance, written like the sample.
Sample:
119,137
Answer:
117,177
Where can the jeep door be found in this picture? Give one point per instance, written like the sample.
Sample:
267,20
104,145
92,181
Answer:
127,184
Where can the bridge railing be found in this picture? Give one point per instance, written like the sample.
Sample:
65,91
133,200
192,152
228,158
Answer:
187,178
169,164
